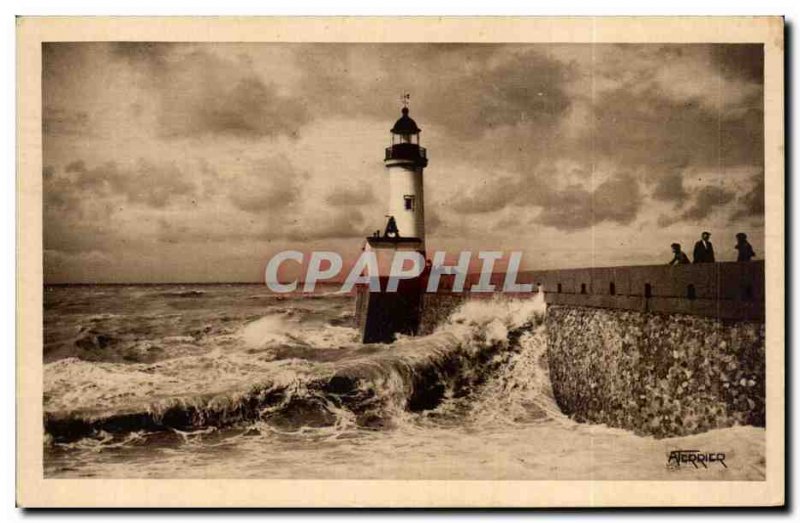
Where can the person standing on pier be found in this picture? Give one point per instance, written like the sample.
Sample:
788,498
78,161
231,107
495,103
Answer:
703,249
746,252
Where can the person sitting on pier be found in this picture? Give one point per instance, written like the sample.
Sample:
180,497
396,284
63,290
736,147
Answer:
703,250
746,252
680,257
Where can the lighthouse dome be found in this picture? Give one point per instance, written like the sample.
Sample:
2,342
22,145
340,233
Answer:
405,125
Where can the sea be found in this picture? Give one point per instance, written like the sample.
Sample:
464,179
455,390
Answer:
472,400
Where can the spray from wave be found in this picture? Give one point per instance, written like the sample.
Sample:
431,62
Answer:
485,364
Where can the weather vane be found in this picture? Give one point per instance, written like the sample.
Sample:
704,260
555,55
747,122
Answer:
406,98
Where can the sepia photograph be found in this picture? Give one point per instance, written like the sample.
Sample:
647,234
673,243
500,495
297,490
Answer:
407,260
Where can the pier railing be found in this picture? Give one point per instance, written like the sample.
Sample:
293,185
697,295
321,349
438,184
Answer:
725,290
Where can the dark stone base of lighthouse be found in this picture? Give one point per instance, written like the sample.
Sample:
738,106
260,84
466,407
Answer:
382,315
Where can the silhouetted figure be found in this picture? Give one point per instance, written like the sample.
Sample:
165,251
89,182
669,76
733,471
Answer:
703,250
391,229
679,257
746,252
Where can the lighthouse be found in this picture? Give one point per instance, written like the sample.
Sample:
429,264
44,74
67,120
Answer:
405,160
381,314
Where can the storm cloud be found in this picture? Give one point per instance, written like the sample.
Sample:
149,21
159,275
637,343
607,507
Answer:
269,184
203,94
617,200
751,204
706,200
669,188
146,183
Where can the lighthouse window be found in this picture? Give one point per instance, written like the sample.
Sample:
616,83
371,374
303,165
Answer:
405,138
409,201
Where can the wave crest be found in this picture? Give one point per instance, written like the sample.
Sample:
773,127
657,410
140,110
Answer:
371,386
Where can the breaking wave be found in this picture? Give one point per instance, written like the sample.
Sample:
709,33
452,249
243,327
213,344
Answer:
484,365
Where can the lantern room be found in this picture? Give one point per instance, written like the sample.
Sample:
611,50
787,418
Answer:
405,141
405,130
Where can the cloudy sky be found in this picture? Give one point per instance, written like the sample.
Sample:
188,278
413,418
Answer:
197,162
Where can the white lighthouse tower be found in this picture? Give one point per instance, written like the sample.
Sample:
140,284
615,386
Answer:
383,314
405,160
